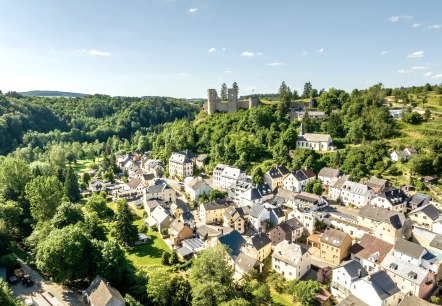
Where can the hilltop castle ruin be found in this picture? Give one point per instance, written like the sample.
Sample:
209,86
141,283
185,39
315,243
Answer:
214,103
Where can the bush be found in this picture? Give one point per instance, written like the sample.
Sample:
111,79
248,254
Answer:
143,229
435,299
9,261
165,258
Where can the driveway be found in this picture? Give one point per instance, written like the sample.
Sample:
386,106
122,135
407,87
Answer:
64,295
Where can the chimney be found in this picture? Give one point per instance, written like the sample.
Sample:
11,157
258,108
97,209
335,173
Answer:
359,273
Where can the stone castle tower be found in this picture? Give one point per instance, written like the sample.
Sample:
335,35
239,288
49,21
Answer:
232,105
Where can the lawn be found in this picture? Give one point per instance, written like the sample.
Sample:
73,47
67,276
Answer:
148,254
84,165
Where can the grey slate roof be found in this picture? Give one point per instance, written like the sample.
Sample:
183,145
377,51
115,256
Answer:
380,214
102,294
278,212
328,172
429,210
394,196
437,242
246,262
408,248
333,237
294,223
351,300
314,137
256,210
260,240
303,174
383,285
404,269
213,205
234,241
279,171
289,253
353,267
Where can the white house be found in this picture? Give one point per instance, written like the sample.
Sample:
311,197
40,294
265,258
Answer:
405,154
159,190
224,176
196,187
356,194
344,276
291,260
181,164
370,252
393,199
326,175
317,142
427,217
297,180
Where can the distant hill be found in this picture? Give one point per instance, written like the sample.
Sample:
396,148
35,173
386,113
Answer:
51,93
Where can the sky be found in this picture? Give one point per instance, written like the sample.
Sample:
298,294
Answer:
180,48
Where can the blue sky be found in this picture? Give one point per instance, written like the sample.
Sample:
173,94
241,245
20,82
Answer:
180,48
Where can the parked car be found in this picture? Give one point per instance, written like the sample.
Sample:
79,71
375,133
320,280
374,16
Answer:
27,280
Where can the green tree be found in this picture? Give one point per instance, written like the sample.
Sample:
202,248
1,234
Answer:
96,203
86,178
236,302
71,188
211,278
180,292
307,89
7,298
65,255
5,237
113,264
94,228
57,157
158,286
223,92
165,258
122,228
262,295
44,195
14,175
173,260
131,301
67,214
257,175
304,292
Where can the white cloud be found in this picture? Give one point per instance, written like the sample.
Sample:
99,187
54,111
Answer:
402,71
259,53
383,52
437,76
304,53
419,67
193,10
248,54
228,71
416,54
397,18
321,50
427,74
275,64
94,52
211,50
223,49
434,27
416,25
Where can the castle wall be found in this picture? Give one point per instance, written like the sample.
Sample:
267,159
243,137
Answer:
232,105
243,104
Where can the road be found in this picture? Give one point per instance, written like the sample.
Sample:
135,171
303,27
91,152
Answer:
64,295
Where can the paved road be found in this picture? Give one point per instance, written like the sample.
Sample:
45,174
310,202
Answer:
64,295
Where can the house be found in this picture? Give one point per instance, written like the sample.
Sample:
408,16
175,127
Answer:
307,218
161,218
178,231
159,190
351,300
255,195
427,217
190,247
288,230
344,276
430,179
334,246
412,300
258,246
236,218
196,187
370,252
315,115
392,199
101,293
309,201
378,289
297,180
291,260
385,224
181,164
334,190
378,185
213,212
153,166
237,189
317,142
201,161
275,177
137,185
245,265
326,175
205,232
285,198
418,200
409,277
356,194
224,176
262,215
347,223
122,160
97,186
150,205
404,155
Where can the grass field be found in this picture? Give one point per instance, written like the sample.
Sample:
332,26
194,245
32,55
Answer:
84,165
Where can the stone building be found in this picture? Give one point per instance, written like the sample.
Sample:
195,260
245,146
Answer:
214,103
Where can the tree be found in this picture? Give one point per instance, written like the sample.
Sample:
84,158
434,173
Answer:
235,86
173,259
236,302
71,188
257,175
14,175
57,157
424,101
97,203
94,228
412,117
86,178
262,295
158,286
223,92
211,278
122,228
180,292
67,214
282,91
44,195
7,298
65,255
5,237
427,115
307,89
113,264
304,292
324,275
131,301
165,258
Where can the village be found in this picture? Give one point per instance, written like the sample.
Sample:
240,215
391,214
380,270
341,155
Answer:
381,243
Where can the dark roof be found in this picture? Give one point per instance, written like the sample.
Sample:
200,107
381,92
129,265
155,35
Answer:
260,240
134,183
408,248
419,199
333,237
328,172
278,212
437,242
278,172
370,245
351,300
394,196
184,252
154,203
246,262
234,241
380,214
156,188
205,230
375,182
353,268
303,174
383,285
177,225
213,205
264,189
294,223
429,210
256,210
102,294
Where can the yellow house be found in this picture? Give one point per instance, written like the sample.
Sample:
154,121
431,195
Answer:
213,212
258,247
334,246
236,218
